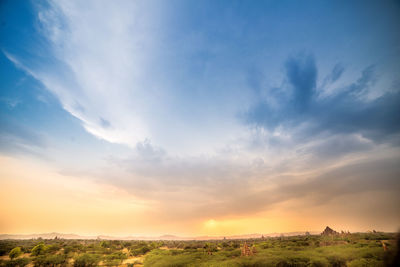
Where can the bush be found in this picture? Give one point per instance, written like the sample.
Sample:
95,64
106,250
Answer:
52,248
336,261
140,251
50,260
105,244
21,262
15,253
39,249
86,260
69,249
115,259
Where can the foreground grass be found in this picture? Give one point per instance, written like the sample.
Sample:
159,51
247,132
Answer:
346,250
329,256
288,252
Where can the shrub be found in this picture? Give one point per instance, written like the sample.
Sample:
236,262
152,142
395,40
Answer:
86,260
336,261
52,248
21,262
140,251
68,249
115,258
50,260
39,249
105,244
15,253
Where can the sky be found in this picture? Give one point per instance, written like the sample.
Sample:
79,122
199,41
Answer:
199,117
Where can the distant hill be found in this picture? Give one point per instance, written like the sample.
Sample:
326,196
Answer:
45,236
163,237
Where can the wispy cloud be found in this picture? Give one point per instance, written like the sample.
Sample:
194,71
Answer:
10,102
20,139
112,66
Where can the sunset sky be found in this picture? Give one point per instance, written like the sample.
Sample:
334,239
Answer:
199,117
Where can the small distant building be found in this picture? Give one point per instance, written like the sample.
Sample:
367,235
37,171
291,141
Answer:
246,250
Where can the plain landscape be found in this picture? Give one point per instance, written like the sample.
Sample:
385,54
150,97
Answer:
330,248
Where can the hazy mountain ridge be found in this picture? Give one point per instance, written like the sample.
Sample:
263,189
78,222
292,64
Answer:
162,237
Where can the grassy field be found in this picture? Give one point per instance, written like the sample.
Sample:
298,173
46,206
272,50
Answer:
364,249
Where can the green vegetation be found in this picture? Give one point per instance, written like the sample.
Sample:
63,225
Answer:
39,249
15,253
50,260
364,249
87,260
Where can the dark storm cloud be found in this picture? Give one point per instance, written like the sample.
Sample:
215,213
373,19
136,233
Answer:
344,112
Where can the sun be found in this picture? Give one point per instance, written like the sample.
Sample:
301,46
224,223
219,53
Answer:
210,223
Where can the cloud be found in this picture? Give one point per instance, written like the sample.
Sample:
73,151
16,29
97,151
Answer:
11,103
115,67
333,147
301,73
336,73
347,180
211,187
305,114
97,55
307,148
17,138
127,81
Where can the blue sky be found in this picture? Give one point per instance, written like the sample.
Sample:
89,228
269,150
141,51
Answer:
208,99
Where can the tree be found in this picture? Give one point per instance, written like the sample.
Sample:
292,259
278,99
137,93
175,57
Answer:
15,253
38,249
